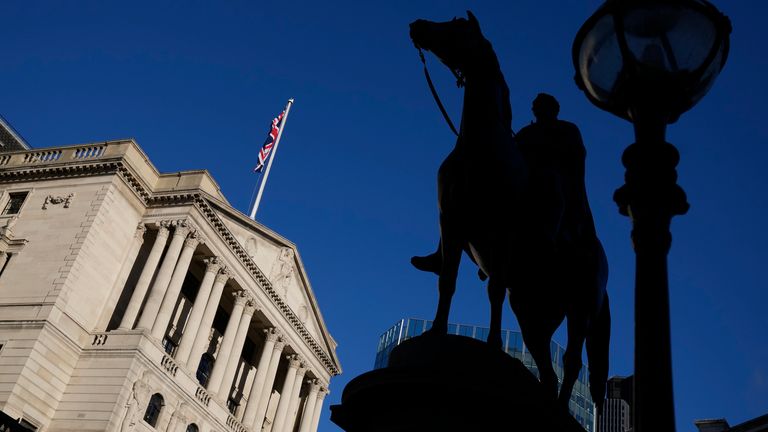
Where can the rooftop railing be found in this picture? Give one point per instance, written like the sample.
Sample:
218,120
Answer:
59,155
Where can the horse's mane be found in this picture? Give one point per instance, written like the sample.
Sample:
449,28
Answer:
493,65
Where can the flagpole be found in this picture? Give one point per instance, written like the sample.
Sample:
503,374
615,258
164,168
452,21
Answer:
271,158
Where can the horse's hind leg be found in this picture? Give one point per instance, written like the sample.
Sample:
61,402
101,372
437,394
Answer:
577,332
451,247
496,293
537,333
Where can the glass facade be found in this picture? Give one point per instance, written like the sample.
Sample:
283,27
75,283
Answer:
580,406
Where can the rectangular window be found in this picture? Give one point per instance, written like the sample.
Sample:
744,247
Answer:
27,425
465,330
15,201
452,329
481,333
415,328
232,405
169,346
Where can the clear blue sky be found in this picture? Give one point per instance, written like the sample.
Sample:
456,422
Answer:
197,83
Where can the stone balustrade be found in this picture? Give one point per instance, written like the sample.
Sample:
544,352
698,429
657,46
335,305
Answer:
203,396
235,425
58,155
169,365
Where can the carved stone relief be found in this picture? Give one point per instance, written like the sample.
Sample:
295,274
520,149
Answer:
282,271
303,313
136,402
58,199
7,229
180,418
250,247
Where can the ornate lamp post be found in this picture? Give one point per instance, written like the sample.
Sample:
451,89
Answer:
649,61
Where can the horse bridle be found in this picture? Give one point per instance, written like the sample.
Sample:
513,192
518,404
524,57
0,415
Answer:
460,81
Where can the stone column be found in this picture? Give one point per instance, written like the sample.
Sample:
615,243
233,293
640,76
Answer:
220,366
266,390
140,290
204,329
293,406
157,292
294,364
318,408
212,266
237,348
128,259
309,408
272,336
174,286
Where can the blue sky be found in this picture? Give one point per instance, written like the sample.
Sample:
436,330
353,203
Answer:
353,185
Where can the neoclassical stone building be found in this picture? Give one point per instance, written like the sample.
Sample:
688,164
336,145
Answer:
132,300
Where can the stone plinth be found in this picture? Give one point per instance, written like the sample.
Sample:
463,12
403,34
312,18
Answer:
449,383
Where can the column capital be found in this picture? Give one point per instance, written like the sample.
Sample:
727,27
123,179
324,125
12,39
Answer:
242,297
250,306
141,228
181,227
193,239
223,275
280,344
212,264
272,334
294,361
314,384
162,228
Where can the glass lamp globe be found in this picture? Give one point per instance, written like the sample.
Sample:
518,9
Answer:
662,55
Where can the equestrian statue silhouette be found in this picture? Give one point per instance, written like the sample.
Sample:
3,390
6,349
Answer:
517,206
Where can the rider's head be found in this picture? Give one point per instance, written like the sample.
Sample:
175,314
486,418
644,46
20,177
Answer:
545,107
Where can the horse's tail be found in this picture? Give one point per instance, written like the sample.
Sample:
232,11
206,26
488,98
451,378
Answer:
597,354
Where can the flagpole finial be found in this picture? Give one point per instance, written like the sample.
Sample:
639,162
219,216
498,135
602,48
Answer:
290,100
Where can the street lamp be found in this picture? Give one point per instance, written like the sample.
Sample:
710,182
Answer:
649,61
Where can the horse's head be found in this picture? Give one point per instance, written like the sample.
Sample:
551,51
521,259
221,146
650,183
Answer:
453,42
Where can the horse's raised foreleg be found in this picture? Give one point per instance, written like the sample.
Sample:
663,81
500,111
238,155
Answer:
450,248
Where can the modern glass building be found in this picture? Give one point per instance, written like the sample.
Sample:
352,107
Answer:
617,414
581,406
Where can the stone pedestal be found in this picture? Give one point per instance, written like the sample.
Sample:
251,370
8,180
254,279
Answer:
449,383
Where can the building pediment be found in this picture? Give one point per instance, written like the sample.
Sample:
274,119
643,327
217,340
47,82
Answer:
281,265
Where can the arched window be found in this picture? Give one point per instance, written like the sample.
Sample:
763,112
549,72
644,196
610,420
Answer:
156,404
193,428
204,369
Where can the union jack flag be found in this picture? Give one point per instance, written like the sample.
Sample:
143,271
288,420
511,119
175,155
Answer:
266,149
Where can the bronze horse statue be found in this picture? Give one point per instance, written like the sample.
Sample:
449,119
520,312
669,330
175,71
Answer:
490,207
